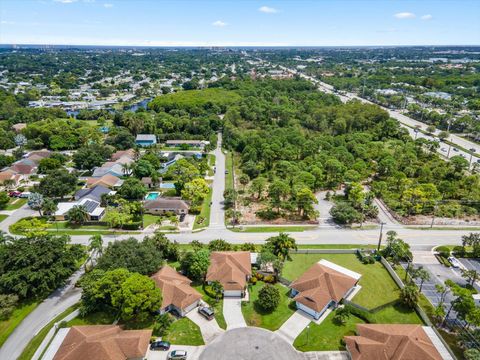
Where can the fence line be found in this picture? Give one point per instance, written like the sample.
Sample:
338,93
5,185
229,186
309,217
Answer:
51,333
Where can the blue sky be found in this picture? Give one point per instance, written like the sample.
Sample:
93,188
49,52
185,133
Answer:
240,23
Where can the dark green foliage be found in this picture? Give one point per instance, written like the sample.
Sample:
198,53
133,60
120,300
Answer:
35,266
219,245
268,298
133,255
195,264
132,189
7,305
57,183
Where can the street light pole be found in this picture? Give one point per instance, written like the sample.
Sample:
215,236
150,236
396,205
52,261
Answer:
471,157
380,237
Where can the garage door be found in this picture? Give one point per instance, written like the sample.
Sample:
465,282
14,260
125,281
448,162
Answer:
231,293
308,310
190,308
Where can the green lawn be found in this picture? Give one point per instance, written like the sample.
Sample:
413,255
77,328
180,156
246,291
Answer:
255,316
327,336
20,313
149,219
16,203
336,246
184,332
35,342
3,217
211,162
204,212
263,229
97,318
375,278
217,306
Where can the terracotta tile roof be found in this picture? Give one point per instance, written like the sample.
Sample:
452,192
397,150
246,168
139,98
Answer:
175,288
321,284
23,168
121,153
391,341
7,175
230,268
103,342
107,180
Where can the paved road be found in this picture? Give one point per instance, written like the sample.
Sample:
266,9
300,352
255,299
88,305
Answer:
51,307
217,212
16,215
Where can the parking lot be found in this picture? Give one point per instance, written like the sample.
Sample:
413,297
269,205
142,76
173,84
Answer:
471,264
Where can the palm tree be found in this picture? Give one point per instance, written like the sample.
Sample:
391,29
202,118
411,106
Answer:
126,168
77,215
9,184
49,207
281,245
95,246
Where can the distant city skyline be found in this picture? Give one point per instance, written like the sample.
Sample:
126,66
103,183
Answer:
240,23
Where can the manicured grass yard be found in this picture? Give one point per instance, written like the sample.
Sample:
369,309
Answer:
217,306
262,229
378,287
184,332
20,313
3,217
204,212
326,336
149,219
97,318
16,203
228,167
255,316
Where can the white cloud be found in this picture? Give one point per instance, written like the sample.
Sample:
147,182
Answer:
65,1
404,15
5,22
219,23
267,10
108,6
427,17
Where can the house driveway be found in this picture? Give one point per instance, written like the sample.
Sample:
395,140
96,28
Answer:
232,311
294,326
193,352
209,328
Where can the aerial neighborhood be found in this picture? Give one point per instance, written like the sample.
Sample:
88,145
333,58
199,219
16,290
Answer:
238,202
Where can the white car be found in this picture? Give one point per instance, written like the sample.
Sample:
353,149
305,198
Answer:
455,263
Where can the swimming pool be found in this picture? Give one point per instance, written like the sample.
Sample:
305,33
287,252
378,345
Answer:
152,196
167,186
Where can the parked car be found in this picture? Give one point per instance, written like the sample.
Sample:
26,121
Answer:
160,345
177,355
14,193
226,171
206,312
455,149
25,194
455,263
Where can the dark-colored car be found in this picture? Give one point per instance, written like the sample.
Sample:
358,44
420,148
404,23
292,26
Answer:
177,355
226,171
160,345
206,312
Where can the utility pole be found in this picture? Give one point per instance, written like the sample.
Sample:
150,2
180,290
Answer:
380,237
471,157
449,148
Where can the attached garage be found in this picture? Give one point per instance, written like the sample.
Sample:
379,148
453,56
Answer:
232,293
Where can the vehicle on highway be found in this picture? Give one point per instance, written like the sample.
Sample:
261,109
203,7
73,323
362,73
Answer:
177,355
206,312
455,263
160,345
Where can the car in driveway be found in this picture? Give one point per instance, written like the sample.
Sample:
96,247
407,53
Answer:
206,312
160,345
177,355
14,193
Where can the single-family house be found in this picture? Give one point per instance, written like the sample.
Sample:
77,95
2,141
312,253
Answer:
177,294
19,127
108,168
129,153
107,180
94,211
395,341
99,342
24,167
12,175
232,269
192,143
145,140
163,205
148,182
323,285
93,193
